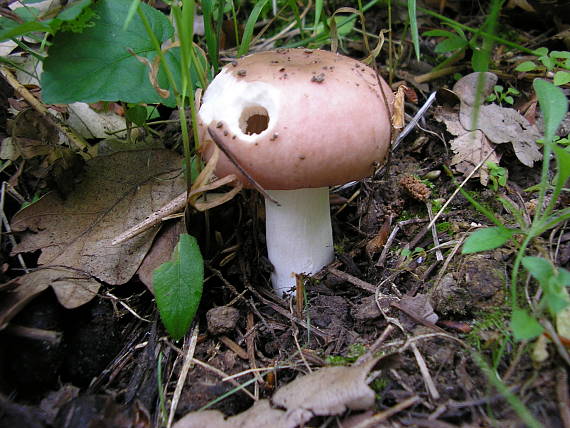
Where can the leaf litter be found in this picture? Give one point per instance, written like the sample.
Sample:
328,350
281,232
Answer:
75,234
478,130
328,391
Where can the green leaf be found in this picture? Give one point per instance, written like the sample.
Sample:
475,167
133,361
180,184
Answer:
137,114
547,62
553,104
177,286
524,326
555,294
10,29
561,78
486,239
451,44
560,54
96,65
526,66
539,268
439,33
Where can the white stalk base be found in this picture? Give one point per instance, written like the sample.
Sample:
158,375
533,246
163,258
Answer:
299,234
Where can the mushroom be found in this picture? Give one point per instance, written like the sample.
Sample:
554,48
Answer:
297,121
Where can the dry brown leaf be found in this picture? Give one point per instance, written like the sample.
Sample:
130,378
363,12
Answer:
160,252
500,124
470,149
260,415
329,391
116,192
477,129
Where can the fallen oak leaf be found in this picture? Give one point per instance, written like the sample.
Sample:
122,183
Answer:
116,192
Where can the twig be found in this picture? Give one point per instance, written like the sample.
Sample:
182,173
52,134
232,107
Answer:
188,358
353,280
174,206
430,385
218,141
438,254
6,224
234,347
73,137
378,418
562,396
223,376
51,336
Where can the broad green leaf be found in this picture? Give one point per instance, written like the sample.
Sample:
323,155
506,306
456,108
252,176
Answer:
486,239
526,66
539,268
177,286
553,104
561,78
524,326
96,65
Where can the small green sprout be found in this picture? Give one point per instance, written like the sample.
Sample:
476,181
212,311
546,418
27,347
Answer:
557,62
497,175
500,95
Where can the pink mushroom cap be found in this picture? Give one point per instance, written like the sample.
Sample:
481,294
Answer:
297,118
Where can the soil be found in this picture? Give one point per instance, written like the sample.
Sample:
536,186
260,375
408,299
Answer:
104,363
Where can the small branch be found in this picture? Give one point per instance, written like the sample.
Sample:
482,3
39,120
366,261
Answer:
218,141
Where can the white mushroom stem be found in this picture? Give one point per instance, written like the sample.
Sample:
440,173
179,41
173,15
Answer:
298,234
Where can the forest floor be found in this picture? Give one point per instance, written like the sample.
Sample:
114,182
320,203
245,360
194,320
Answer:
425,326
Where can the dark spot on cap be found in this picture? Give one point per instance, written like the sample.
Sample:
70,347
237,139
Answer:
241,73
234,63
274,61
274,136
219,125
226,133
319,78
282,69
308,51
234,137
302,157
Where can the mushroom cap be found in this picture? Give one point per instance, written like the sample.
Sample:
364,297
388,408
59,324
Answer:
297,118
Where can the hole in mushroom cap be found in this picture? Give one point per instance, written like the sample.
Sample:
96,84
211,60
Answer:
254,120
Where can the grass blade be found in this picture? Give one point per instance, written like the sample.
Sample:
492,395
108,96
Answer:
249,26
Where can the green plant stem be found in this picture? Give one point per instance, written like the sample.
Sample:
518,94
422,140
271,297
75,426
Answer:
511,398
157,48
516,267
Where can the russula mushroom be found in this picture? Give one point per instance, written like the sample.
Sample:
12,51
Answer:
297,121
